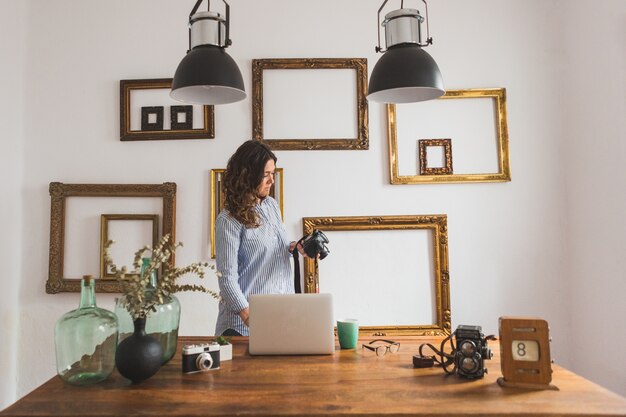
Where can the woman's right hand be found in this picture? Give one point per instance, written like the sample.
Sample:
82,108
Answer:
245,316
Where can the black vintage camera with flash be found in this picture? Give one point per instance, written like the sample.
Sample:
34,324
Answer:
471,352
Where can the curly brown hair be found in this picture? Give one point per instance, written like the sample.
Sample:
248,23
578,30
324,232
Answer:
243,175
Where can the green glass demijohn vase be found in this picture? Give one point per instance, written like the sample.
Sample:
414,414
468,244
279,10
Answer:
85,340
161,324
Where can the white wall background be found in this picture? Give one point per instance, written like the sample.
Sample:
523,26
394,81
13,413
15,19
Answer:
546,244
594,139
12,38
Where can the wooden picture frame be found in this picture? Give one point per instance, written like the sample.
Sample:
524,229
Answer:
217,198
446,169
60,192
361,142
128,134
498,96
436,223
104,235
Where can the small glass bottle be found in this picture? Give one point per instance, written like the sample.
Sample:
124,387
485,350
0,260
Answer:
161,324
85,340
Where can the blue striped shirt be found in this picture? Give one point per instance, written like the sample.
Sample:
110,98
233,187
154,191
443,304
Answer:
252,261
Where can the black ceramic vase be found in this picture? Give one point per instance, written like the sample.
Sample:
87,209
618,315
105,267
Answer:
138,357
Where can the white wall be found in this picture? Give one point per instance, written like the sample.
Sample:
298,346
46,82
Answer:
11,163
594,71
506,241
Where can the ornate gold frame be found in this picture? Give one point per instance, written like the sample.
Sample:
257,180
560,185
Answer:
424,144
358,64
504,170
126,134
104,234
437,222
217,198
59,192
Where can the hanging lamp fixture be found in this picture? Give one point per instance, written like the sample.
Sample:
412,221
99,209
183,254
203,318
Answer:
207,74
405,73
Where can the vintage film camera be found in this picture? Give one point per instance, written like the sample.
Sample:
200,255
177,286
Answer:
467,359
315,244
201,357
471,352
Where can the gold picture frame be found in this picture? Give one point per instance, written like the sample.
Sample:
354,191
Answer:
104,234
217,198
127,134
60,192
361,142
437,223
446,144
498,95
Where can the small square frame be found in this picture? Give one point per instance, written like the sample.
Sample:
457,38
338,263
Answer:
148,126
217,198
175,111
424,144
361,142
126,134
104,234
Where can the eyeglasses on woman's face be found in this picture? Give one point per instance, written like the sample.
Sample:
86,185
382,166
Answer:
381,346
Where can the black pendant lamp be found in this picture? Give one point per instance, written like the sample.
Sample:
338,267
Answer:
405,73
207,74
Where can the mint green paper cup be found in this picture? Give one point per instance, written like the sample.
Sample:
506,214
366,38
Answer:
348,332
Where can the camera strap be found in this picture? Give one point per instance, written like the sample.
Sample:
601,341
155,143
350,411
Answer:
296,269
445,359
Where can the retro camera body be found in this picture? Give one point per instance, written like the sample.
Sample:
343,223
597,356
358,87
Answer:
471,352
201,357
315,244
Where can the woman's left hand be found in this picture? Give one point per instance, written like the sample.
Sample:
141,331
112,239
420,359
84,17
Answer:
293,244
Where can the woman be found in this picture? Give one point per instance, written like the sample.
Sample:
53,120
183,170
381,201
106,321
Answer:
251,245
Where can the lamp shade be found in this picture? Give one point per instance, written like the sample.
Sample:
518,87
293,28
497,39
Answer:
405,74
208,75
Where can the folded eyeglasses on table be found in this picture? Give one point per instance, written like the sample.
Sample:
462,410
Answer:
382,349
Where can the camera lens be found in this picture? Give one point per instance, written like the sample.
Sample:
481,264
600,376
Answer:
468,348
469,364
204,361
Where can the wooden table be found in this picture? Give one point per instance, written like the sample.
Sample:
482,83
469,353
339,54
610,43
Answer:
349,382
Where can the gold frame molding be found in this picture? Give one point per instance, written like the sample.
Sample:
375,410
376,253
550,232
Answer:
216,193
104,234
437,222
361,142
59,192
502,133
424,144
126,134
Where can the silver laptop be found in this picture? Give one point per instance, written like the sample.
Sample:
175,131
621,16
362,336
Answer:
291,324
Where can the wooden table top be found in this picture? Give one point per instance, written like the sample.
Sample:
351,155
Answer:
349,382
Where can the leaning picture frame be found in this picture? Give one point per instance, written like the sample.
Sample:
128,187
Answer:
60,193
498,96
359,65
217,198
437,250
149,119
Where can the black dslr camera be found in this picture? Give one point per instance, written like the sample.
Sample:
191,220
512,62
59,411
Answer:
471,351
202,357
315,244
